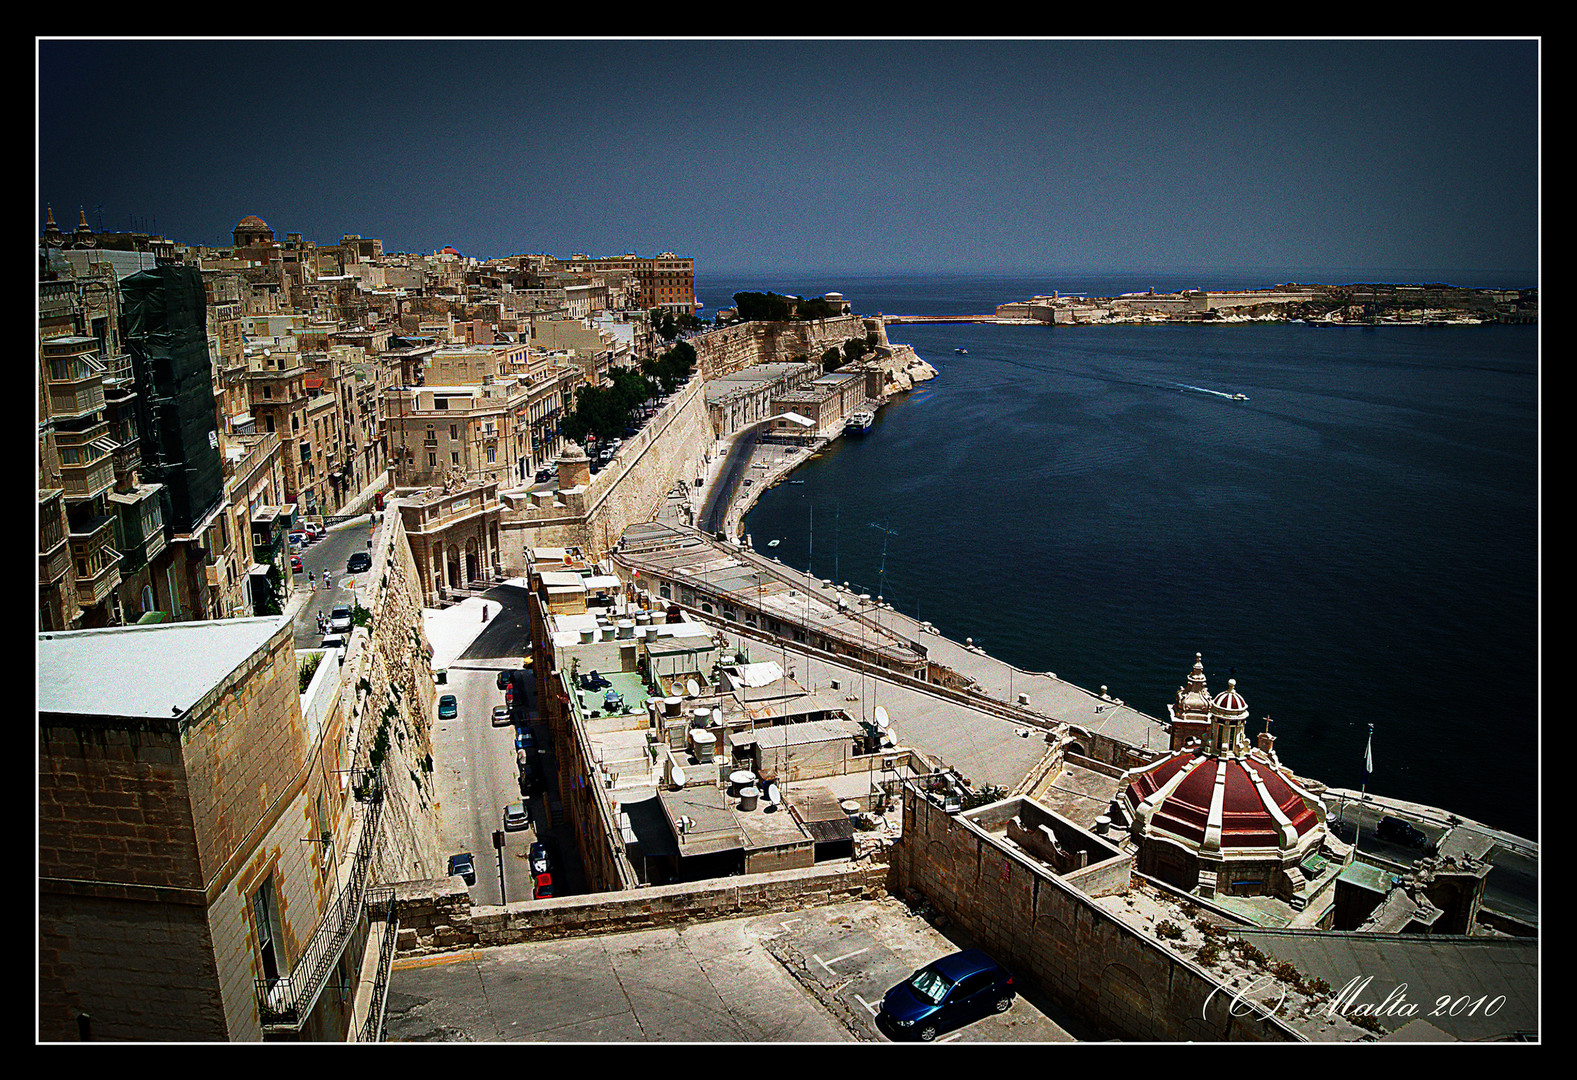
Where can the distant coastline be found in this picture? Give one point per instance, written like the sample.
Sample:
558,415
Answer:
1374,304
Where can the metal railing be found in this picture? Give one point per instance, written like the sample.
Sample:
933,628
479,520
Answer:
372,1028
285,1002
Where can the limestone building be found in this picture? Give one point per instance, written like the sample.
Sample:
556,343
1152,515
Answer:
204,842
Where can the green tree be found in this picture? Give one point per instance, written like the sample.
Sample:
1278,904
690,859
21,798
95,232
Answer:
830,359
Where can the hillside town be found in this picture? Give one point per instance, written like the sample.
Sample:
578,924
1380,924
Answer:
387,692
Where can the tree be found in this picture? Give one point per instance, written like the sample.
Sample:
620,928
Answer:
831,359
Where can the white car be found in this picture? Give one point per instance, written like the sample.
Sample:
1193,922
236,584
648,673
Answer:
340,620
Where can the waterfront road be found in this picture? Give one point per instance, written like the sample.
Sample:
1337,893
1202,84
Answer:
725,478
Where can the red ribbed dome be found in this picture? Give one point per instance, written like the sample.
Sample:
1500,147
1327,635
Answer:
1246,818
251,221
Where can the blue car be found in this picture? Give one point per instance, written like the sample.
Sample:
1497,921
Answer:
448,708
944,994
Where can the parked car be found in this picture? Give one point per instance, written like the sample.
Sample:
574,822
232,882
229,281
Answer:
545,476
295,564
315,530
1396,831
524,740
358,562
539,860
543,888
945,994
500,715
298,538
340,619
503,679
448,707
462,865
531,780
332,641
515,816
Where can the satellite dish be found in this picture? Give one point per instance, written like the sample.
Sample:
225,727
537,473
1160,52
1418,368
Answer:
678,777
265,351
691,687
881,718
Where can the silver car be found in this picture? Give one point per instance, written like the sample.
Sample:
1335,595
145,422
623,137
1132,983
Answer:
515,816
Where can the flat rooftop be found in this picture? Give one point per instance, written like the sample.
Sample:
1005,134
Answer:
157,671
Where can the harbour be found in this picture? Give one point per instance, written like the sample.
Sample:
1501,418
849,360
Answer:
1076,558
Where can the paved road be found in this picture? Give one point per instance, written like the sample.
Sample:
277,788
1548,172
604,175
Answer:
478,773
328,555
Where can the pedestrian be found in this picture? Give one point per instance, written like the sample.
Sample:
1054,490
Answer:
484,613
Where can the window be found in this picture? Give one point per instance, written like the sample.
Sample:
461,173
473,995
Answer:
454,431
432,459
265,921
454,457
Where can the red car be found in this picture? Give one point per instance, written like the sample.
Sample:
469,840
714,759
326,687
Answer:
544,887
295,564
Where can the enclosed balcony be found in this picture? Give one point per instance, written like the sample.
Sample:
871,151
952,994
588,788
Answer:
87,463
97,561
140,529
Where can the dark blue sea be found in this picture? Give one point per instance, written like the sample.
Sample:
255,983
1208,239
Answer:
1357,543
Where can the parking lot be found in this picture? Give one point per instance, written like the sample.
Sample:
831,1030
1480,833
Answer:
815,975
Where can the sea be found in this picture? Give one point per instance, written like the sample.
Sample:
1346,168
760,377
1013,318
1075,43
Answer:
1356,543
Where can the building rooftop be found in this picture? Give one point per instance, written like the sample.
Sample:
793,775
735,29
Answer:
158,671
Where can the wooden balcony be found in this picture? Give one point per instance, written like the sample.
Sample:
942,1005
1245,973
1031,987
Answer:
97,588
79,397
82,482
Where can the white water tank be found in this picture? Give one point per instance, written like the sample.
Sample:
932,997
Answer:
748,798
703,742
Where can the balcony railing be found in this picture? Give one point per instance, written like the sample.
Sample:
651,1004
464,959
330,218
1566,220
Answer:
89,480
286,1002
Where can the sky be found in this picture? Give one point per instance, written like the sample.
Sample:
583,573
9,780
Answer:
794,156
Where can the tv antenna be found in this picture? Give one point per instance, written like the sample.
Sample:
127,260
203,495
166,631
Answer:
881,573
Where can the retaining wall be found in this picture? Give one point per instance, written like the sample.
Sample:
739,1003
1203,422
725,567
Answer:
437,915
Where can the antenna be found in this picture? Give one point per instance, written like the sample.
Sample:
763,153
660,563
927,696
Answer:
881,573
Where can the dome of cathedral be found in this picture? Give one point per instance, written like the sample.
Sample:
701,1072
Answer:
251,221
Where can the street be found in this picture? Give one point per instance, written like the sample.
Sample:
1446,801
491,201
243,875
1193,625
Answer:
328,556
478,775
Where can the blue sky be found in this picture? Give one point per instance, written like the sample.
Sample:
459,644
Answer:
882,156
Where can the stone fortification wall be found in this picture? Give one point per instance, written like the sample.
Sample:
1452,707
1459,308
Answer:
387,701
1057,938
670,448
724,351
437,915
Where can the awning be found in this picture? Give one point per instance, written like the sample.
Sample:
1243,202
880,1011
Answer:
258,570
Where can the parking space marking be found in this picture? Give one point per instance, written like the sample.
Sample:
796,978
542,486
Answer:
872,1009
827,963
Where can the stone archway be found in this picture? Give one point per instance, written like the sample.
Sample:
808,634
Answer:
472,563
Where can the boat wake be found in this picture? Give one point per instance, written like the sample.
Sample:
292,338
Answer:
1216,393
